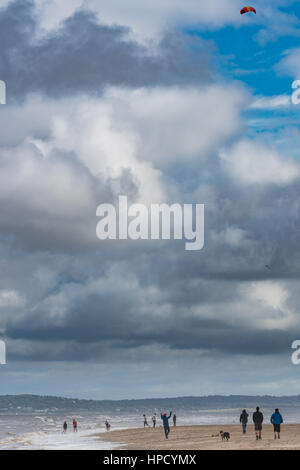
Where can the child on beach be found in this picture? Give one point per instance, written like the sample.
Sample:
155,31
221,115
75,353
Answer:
145,421
74,425
65,427
154,420
276,420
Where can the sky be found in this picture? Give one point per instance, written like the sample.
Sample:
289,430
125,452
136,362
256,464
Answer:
164,101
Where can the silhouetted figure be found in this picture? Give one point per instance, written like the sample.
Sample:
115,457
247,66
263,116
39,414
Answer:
258,418
244,420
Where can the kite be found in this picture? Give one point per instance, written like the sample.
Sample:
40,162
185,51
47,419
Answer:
247,9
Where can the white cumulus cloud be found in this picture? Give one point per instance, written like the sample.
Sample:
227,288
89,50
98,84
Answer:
250,162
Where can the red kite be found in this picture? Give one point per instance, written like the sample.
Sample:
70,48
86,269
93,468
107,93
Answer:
247,9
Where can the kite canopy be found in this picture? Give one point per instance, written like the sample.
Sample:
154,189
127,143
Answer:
247,9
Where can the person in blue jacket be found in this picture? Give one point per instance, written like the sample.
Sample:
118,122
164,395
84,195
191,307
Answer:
165,420
276,420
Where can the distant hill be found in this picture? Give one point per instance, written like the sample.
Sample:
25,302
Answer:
50,403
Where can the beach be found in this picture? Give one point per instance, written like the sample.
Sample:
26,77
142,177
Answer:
204,438
42,430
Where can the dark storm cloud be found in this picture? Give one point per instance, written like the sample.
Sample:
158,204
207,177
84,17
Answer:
100,324
122,298
82,319
84,56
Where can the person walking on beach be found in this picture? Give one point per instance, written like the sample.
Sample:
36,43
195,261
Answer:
258,418
244,420
145,421
276,420
65,427
174,419
107,425
165,420
154,420
74,425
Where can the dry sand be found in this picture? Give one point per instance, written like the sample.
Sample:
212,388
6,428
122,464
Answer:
204,438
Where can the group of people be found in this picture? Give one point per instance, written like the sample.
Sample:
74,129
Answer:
165,420
75,425
258,418
65,426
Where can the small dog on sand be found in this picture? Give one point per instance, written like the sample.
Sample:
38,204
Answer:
225,435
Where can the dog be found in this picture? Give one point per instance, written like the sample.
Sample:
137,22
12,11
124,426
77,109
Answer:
225,435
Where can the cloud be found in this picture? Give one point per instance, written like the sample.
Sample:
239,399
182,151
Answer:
85,300
76,153
94,113
91,301
47,202
271,102
151,20
10,298
276,21
85,56
274,296
252,163
290,63
184,123
114,325
145,20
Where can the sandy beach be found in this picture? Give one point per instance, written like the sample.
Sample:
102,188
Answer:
205,438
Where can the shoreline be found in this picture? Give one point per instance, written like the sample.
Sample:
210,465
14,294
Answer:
203,437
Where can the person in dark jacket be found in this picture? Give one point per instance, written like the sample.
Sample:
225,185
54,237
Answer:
165,420
258,419
276,420
65,427
244,420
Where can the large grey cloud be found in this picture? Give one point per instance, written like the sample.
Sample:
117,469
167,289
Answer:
85,299
85,56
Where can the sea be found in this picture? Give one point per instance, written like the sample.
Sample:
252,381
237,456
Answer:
42,430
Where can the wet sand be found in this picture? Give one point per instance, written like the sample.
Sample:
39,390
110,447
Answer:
205,438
